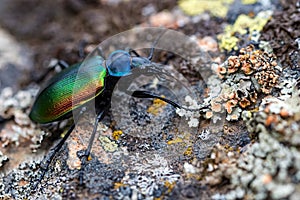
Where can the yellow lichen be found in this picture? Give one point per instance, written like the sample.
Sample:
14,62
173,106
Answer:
117,185
188,151
194,7
175,141
116,134
170,186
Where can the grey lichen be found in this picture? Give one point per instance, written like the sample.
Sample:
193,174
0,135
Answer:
15,108
239,82
151,175
3,159
271,167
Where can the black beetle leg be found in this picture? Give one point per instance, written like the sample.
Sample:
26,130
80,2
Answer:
49,157
147,94
63,64
88,150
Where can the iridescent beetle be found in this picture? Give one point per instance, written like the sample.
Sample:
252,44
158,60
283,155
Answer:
65,93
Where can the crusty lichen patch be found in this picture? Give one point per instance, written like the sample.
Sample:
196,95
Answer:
244,78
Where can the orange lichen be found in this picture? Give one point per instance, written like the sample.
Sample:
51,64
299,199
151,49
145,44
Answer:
267,178
208,115
221,70
216,107
245,77
229,105
247,68
244,102
271,119
233,64
284,113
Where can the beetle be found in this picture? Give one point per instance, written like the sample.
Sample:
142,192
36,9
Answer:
65,92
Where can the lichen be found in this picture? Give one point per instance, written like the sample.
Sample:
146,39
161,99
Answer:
269,169
151,175
191,113
195,7
117,134
157,106
108,144
3,159
243,25
16,107
244,77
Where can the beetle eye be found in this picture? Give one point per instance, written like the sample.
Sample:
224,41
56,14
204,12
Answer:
118,63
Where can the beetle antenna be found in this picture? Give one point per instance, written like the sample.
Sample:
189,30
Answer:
154,44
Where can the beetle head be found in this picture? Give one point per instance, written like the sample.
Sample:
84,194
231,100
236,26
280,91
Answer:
139,62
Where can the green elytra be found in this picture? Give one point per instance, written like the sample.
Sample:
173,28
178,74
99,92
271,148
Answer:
57,99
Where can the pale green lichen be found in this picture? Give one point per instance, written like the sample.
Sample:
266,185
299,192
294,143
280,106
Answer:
196,7
248,1
107,144
244,24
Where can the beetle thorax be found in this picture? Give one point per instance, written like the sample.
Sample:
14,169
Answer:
119,63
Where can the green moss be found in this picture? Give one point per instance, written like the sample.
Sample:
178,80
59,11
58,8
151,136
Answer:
218,8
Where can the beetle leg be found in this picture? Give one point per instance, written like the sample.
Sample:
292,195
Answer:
88,150
147,94
49,157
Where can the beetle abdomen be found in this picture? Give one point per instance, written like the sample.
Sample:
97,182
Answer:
68,90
